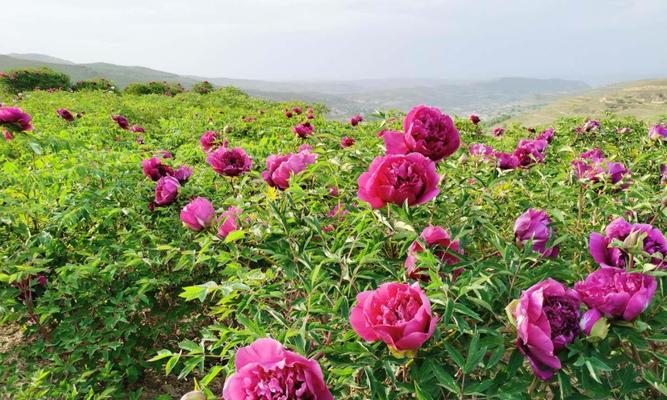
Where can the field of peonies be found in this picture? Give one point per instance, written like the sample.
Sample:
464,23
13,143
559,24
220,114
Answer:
246,249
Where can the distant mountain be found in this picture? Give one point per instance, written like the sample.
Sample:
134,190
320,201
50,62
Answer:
645,99
489,98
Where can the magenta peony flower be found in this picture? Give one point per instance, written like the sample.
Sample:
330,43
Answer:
265,370
280,168
474,119
395,313
182,173
166,190
65,114
654,243
658,132
498,131
209,140
547,320
616,292
354,121
441,244
399,178
482,151
592,166
121,121
588,320
303,130
165,154
154,169
229,162
198,214
426,131
288,113
15,119
338,211
229,221
591,125
347,141
529,152
535,225
297,110
546,135
137,129
333,191
506,160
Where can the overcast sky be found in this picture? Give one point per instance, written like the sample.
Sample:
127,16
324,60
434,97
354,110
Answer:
350,39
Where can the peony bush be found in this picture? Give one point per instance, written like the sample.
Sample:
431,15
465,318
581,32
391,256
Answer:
249,249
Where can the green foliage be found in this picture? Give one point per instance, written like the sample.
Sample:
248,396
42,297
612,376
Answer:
133,294
163,88
203,87
22,80
95,84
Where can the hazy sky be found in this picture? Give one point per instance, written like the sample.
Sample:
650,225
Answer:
350,39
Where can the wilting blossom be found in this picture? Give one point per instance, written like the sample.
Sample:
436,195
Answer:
474,119
228,221
658,132
398,178
535,225
137,129
653,243
166,190
589,126
426,131
182,173
546,135
589,319
498,131
339,211
15,119
229,162
303,130
547,320
198,214
617,293
65,114
593,166
440,242
280,168
354,121
154,169
506,160
481,150
121,121
266,370
395,313
209,140
347,141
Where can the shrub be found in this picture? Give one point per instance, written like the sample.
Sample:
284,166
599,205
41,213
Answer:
203,87
164,88
95,84
21,80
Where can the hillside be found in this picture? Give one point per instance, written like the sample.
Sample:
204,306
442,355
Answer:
645,99
488,98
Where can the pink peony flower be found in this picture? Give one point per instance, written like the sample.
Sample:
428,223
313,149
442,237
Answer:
338,211
154,169
15,119
474,119
653,243
481,151
395,313
506,160
546,135
265,370
658,132
498,131
137,129
535,225
65,114
347,141
354,121
288,113
297,110
441,244
398,178
166,190
229,221
426,131
592,166
198,214
121,121
547,320
588,320
303,130
333,191
280,168
209,140
182,173
617,293
529,152
229,162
